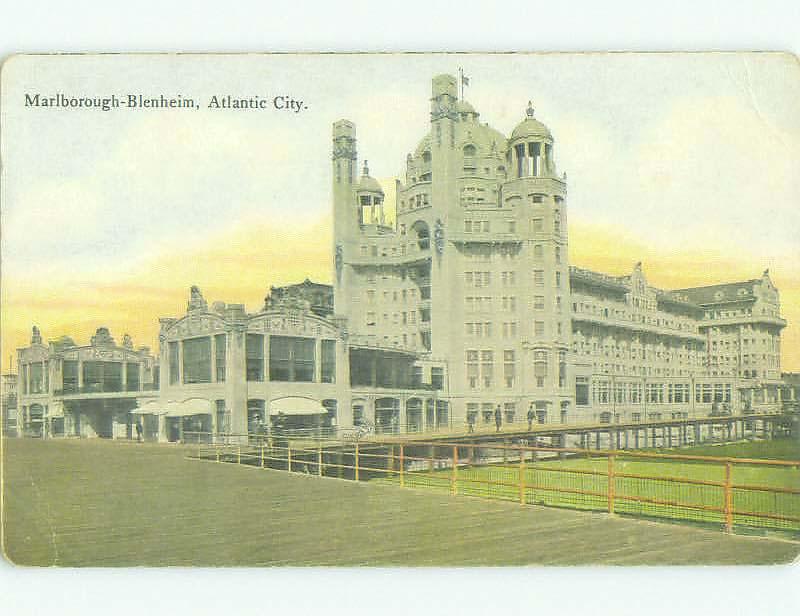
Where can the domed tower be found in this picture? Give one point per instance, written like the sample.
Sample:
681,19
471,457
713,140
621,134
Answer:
369,196
538,195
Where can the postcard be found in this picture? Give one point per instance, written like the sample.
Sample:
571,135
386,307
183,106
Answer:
403,310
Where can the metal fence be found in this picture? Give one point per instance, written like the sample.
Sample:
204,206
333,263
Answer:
729,492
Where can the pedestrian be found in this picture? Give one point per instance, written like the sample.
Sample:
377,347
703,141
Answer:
531,415
471,422
498,418
139,431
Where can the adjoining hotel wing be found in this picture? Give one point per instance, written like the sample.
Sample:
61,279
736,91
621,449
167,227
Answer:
467,303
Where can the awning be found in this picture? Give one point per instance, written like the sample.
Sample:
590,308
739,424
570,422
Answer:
192,406
153,407
296,406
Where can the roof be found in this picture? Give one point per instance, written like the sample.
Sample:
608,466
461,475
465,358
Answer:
719,293
530,127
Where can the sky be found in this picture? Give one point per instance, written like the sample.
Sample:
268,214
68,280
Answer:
688,163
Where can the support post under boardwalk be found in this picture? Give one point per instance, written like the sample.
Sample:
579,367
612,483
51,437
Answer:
319,461
454,478
521,477
611,483
262,456
728,498
402,468
288,457
238,454
355,461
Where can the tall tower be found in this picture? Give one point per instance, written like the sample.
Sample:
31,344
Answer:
345,223
539,196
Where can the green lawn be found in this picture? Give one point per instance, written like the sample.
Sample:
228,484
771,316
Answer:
555,483
100,503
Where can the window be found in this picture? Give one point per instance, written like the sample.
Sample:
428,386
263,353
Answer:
36,378
132,377
538,278
509,368
538,302
537,225
510,329
509,411
487,368
558,279
223,418
291,359
174,372
540,367
538,328
581,391
220,356
558,254
102,376
472,369
328,373
197,360
255,357
70,376
538,252
437,377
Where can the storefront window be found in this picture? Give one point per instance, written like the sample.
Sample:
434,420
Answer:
255,357
291,359
197,360
328,373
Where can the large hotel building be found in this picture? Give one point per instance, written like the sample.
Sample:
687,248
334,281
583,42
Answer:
466,303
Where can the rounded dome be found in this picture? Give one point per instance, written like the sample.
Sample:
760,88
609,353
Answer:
530,127
368,183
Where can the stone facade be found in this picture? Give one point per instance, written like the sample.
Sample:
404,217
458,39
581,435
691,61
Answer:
65,389
474,278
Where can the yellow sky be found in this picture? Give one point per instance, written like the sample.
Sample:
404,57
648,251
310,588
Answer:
111,217
239,265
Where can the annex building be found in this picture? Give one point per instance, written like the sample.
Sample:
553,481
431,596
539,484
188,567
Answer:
466,303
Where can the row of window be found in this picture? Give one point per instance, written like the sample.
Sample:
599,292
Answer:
96,377
290,359
607,392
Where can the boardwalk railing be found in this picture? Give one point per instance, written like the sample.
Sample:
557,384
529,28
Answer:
729,492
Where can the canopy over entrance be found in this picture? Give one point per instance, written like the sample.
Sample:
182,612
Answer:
187,408
296,406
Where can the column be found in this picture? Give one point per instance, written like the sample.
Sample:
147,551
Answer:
124,376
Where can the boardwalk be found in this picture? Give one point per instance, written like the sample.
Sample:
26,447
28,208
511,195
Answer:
103,503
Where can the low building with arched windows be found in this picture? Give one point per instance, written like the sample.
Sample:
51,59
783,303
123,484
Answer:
66,389
224,371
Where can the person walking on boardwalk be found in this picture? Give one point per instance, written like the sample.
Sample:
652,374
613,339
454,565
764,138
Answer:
471,422
498,418
531,415
139,431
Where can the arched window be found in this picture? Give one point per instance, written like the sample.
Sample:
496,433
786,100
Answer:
426,156
469,150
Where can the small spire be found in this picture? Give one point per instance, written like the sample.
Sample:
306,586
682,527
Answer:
529,110
366,168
